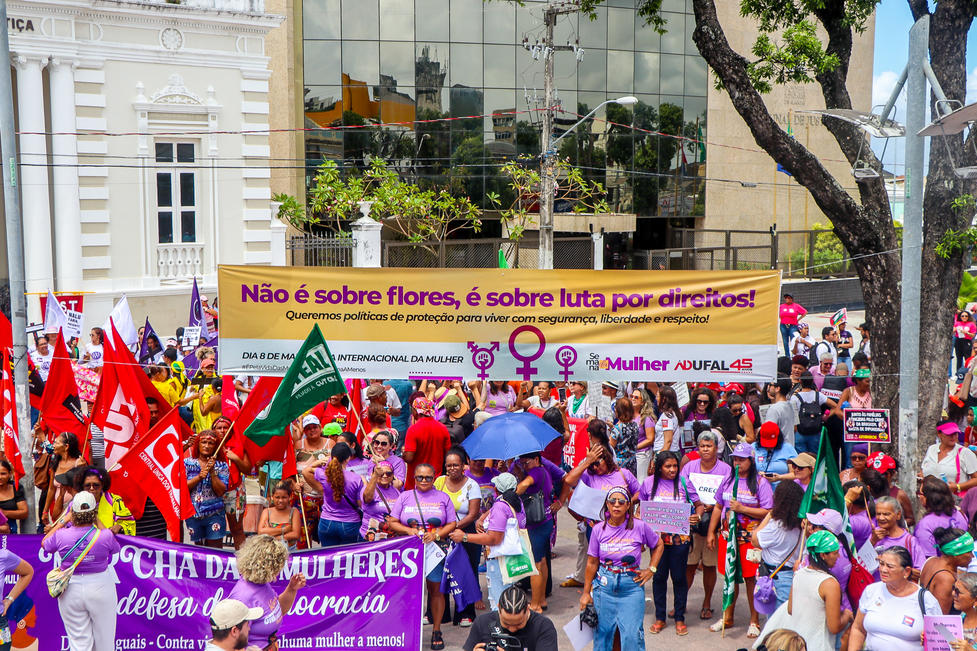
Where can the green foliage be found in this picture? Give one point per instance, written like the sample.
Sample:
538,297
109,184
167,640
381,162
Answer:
290,211
968,291
795,60
954,241
829,254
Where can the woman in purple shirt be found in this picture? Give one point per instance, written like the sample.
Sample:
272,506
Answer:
890,532
339,522
941,511
614,558
430,515
383,448
88,605
259,561
378,497
536,488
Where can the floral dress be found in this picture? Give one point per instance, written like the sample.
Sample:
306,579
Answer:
626,434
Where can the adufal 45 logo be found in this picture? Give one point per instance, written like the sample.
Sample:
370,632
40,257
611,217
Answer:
744,365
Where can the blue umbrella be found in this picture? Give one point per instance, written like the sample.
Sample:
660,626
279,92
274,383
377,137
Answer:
509,435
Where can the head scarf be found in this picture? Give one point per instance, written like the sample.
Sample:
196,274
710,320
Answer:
961,545
823,542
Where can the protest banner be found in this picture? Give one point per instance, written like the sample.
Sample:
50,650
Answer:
70,302
706,486
366,596
513,323
940,630
867,426
667,517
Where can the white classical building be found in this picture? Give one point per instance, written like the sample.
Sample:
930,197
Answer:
143,140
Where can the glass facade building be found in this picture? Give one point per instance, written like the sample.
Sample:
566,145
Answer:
447,90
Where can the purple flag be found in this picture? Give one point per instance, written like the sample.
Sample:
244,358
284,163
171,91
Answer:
363,596
197,317
458,578
190,361
145,355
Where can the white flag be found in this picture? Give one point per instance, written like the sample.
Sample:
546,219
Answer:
55,319
123,323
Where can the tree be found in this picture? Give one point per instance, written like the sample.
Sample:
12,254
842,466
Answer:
788,49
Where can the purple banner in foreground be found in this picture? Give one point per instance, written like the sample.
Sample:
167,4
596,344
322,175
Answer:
365,596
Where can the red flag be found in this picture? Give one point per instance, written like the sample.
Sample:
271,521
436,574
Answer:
230,408
277,448
60,406
11,446
120,410
150,391
6,332
155,463
356,410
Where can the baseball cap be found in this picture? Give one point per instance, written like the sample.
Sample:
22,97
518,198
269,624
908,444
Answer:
229,613
375,390
310,419
882,462
769,433
736,387
743,451
171,342
948,428
423,406
332,429
804,460
827,518
83,502
452,403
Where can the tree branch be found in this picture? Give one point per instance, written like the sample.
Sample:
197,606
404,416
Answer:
919,8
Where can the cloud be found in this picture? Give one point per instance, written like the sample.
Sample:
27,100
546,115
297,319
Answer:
882,85
971,86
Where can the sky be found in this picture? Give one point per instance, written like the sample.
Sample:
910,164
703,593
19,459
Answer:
892,22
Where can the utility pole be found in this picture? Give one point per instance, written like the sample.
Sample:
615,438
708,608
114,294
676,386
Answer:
15,263
548,152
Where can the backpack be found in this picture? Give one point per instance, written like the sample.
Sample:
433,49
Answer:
810,416
813,356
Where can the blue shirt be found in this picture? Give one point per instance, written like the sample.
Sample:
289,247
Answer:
403,389
777,462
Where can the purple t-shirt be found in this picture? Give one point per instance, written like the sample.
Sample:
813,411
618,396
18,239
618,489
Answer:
931,522
396,464
762,500
500,513
861,527
377,508
341,511
8,563
362,467
486,486
254,595
619,477
720,469
620,545
436,508
681,490
97,559
501,402
908,541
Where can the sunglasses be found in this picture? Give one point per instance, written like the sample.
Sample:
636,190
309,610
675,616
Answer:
858,457
702,402
92,487
423,477
386,474
383,443
617,500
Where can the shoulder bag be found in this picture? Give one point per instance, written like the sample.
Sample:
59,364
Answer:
57,579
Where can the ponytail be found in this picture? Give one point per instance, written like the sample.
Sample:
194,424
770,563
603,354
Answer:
334,470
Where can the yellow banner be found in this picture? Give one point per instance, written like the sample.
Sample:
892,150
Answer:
507,323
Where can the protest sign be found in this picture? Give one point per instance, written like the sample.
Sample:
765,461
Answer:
706,486
586,501
667,517
191,337
939,630
517,323
366,596
867,426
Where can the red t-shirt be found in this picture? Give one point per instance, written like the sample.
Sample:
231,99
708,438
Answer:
429,440
327,413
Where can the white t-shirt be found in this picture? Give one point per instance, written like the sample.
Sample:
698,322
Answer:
248,382
95,354
470,491
894,623
947,468
43,362
778,543
581,409
663,423
799,345
826,347
536,403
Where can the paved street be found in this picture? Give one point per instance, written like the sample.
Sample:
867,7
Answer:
563,606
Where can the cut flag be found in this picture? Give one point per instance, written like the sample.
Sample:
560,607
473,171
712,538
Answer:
278,448
841,316
145,357
60,405
155,463
11,444
825,491
733,572
311,375
197,317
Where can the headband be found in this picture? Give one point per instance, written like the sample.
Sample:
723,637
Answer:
618,489
962,545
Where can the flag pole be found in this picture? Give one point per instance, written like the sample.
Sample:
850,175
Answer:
305,523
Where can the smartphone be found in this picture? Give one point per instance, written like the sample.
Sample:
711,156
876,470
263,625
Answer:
562,392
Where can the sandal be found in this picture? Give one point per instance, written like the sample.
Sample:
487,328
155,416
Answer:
705,613
717,627
657,627
681,628
437,641
753,631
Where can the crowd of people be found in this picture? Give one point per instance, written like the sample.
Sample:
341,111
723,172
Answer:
388,460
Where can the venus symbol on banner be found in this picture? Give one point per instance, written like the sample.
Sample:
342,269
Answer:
527,371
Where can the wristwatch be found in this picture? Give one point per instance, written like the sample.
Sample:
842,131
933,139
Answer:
437,537
464,538
653,569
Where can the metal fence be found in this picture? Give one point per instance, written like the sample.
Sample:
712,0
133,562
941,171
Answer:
313,251
483,253
799,254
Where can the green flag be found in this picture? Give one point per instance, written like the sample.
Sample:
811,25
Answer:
503,263
824,491
310,379
733,573
702,146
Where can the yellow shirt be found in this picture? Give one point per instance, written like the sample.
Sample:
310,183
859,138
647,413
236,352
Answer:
204,421
112,510
168,390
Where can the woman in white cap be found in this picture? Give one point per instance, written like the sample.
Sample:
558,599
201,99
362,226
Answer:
88,604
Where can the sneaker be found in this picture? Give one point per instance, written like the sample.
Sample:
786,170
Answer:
427,620
465,622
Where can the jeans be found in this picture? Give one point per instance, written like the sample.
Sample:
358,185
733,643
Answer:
673,563
333,532
782,583
807,443
493,580
620,604
786,332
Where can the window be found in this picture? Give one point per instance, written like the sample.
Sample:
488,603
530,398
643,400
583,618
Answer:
176,195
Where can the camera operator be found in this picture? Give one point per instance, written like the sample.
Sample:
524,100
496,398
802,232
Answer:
513,626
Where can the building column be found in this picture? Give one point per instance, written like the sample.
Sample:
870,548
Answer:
64,149
35,206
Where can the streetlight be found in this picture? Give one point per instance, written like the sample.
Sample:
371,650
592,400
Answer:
548,181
